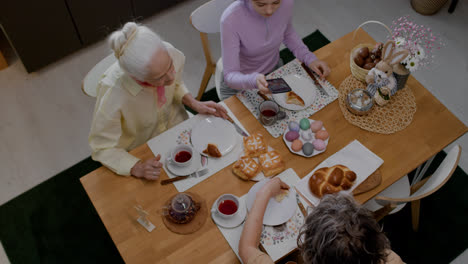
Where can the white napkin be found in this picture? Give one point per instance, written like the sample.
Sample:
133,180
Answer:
276,251
355,156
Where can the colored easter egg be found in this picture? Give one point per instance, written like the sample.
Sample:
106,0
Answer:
319,144
292,135
296,145
304,124
308,149
294,126
316,126
321,134
306,135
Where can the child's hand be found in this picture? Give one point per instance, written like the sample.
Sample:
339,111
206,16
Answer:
262,84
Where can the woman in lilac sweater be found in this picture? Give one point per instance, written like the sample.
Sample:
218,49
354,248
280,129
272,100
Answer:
252,32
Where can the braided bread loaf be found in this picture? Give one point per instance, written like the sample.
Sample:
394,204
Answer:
333,179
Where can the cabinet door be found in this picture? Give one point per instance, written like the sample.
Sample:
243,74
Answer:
95,20
147,8
40,31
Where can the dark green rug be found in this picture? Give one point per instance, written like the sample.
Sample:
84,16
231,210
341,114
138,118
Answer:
55,221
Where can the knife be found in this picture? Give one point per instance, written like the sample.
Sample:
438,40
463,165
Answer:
301,206
311,74
238,129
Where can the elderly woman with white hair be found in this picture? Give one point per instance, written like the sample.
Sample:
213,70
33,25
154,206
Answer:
338,230
138,98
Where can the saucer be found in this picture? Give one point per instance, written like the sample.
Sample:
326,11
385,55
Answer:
185,171
236,221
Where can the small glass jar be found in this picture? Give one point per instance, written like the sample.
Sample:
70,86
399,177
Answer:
359,102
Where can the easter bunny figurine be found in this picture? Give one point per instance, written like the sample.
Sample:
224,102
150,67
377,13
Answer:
380,80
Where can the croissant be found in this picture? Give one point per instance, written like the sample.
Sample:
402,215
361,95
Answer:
330,180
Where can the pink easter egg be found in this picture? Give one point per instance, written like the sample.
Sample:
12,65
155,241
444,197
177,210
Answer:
316,126
319,144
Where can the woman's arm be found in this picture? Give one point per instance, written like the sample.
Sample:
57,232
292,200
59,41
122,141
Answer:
230,48
250,238
295,44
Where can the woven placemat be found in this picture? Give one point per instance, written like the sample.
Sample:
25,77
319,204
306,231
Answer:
197,222
393,117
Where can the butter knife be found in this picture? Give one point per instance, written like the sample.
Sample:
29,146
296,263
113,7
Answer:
301,206
312,75
238,129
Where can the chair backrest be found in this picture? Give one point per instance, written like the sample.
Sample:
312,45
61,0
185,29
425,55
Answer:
206,18
441,175
434,182
90,81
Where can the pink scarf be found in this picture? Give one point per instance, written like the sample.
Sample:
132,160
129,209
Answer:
161,91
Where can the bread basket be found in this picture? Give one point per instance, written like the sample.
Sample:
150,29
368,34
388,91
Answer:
358,72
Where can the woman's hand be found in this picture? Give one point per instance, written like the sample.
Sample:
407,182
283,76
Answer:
210,108
273,187
149,169
321,68
262,84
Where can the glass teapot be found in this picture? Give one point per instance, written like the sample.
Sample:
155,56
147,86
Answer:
181,209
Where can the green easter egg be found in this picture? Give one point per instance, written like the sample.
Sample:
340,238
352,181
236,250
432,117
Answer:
304,123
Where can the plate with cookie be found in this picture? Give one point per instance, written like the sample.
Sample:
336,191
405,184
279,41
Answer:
258,160
213,137
279,209
303,94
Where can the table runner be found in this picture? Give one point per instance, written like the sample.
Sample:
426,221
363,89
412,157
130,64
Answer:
278,241
252,100
180,134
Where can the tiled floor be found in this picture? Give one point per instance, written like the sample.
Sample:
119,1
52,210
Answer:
45,118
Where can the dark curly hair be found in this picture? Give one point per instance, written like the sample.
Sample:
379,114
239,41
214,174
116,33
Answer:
339,230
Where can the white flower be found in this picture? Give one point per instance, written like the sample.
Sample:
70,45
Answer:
420,54
399,41
411,63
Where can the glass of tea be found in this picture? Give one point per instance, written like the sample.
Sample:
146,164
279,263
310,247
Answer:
227,206
270,113
182,155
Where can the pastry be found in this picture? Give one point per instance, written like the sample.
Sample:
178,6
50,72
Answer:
283,194
330,180
254,145
293,98
246,168
212,151
271,163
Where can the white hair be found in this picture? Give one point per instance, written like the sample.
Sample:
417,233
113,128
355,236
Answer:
134,46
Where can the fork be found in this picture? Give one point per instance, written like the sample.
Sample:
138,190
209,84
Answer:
178,178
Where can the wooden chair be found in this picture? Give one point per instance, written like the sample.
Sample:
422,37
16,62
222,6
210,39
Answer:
206,19
90,81
3,62
394,198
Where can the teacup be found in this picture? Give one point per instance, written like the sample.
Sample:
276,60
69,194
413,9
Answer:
270,113
227,206
181,155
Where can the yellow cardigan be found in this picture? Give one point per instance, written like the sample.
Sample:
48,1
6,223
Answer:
126,114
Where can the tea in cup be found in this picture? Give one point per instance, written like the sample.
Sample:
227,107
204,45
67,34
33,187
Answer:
227,206
181,155
270,113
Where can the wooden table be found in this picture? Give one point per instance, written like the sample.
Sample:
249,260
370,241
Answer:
432,129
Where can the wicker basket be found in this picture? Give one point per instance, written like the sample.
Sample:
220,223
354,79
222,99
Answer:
427,7
358,72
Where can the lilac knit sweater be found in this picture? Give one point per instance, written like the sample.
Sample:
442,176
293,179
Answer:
250,42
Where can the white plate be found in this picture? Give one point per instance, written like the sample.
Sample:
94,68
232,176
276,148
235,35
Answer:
303,87
213,130
301,153
185,171
275,213
236,221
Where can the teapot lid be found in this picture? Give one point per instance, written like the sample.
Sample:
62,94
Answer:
181,202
